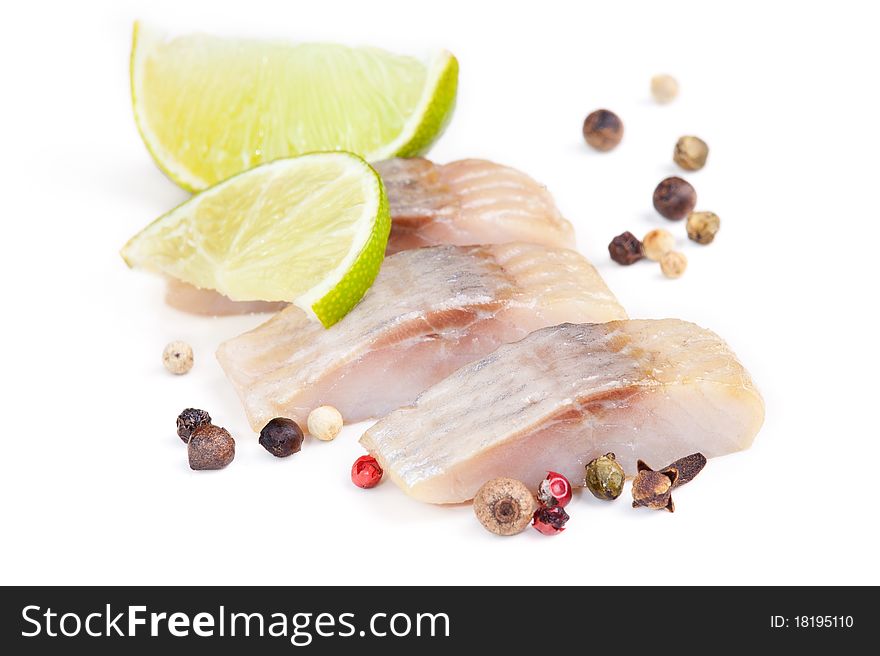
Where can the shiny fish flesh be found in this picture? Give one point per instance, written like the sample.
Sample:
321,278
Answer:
187,298
650,390
471,201
430,311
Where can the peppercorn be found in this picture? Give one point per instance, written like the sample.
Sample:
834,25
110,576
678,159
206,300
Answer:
626,249
210,447
366,472
673,264
605,477
504,506
657,243
324,423
281,437
653,489
703,226
664,88
555,490
690,153
674,198
550,520
603,130
178,357
189,420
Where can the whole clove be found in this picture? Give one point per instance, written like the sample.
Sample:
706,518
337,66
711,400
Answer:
687,468
653,489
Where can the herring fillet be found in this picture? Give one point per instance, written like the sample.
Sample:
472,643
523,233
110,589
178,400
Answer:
430,311
470,201
187,298
655,390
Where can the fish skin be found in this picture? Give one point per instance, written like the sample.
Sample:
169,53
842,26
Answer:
430,311
655,390
470,201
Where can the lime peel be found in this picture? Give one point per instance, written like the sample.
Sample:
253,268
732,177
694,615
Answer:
310,230
208,108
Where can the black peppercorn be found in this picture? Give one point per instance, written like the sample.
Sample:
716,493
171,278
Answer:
189,420
675,198
603,130
626,248
281,437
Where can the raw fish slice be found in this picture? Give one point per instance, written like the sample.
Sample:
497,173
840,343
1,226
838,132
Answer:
471,201
183,296
654,390
430,311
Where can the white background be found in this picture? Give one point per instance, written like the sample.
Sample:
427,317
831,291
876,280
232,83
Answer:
94,483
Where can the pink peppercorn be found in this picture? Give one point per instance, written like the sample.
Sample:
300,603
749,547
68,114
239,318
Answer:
550,521
366,472
555,490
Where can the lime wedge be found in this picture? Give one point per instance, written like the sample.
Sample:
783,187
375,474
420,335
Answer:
208,107
310,230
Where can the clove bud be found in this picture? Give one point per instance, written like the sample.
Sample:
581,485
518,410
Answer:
653,489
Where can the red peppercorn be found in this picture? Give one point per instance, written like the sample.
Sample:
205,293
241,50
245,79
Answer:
366,472
550,521
555,490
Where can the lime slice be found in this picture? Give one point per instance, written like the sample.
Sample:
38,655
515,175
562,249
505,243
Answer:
310,230
208,108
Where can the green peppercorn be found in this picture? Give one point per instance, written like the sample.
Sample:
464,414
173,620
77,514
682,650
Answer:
605,477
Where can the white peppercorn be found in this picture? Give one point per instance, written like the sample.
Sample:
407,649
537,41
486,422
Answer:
664,88
658,243
324,423
673,264
178,357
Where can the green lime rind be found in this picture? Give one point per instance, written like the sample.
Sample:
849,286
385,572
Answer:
179,155
354,284
180,179
437,115
171,244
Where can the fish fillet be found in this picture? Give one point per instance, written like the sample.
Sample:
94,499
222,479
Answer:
471,201
650,390
430,311
187,298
